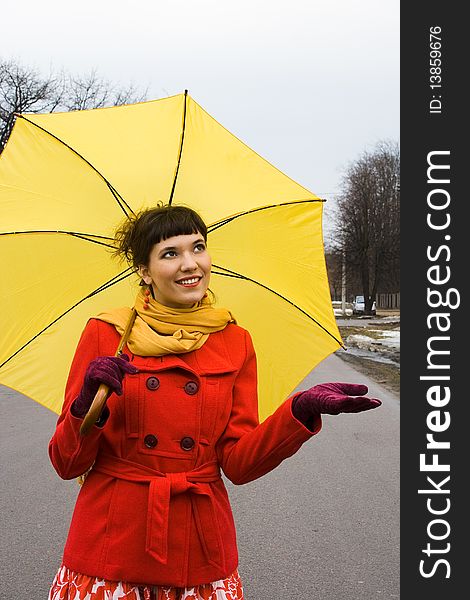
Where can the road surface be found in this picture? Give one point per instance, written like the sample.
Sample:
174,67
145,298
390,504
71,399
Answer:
324,525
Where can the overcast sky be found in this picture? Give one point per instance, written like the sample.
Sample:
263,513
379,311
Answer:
309,85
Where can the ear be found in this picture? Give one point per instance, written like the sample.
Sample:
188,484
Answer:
144,274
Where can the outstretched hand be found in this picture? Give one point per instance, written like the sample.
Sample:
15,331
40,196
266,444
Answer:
332,399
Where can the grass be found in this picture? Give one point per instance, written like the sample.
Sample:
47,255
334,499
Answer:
385,374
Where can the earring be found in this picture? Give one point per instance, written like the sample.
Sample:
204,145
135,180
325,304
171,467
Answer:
146,298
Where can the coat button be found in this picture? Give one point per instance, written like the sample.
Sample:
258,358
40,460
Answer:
152,383
191,388
150,441
187,443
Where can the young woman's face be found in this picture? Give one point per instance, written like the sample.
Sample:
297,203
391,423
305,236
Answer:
179,270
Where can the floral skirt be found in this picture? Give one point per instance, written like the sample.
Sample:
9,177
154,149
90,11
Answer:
69,585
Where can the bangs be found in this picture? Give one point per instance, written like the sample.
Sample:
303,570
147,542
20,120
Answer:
135,238
176,222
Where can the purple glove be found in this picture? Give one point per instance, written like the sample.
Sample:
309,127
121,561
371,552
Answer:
109,370
331,399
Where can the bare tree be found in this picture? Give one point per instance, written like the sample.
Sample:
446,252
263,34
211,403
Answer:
334,265
23,89
84,92
367,223
128,95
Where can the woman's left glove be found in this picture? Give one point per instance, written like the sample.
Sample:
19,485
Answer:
332,399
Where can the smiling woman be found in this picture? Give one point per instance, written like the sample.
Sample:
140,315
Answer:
153,508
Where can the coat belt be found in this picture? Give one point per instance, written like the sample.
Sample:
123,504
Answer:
161,487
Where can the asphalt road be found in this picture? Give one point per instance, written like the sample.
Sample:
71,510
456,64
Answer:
323,526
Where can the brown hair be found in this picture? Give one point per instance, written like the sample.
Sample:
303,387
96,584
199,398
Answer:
136,237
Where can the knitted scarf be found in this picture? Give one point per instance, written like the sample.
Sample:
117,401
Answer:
160,330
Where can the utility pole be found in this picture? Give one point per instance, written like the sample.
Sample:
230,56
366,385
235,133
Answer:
343,284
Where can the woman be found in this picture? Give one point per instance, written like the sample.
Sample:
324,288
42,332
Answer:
153,518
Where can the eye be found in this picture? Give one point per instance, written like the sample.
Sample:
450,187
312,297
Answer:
199,247
169,254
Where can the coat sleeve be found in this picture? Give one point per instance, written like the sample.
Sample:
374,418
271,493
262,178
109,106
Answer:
72,454
247,449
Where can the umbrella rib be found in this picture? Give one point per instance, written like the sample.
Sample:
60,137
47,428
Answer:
235,276
246,146
117,196
230,273
124,275
83,236
218,224
180,149
116,279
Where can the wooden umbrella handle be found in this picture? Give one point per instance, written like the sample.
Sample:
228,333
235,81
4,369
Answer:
95,409
101,395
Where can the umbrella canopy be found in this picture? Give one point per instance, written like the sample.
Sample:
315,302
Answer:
68,179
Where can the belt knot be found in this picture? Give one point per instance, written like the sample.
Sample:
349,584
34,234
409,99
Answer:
178,483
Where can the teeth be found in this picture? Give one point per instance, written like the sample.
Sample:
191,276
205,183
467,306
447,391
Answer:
189,281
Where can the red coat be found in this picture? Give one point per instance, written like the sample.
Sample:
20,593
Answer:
154,508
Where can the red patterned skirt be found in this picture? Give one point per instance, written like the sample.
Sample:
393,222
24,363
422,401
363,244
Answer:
69,585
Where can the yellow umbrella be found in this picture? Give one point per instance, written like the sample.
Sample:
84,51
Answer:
67,180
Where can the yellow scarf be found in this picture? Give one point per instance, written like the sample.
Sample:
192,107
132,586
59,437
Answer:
161,330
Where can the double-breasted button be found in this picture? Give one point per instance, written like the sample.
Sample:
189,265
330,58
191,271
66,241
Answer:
152,383
187,443
150,440
191,388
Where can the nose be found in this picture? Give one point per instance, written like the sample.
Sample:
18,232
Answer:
188,263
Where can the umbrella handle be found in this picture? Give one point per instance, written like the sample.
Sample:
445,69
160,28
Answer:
95,409
101,395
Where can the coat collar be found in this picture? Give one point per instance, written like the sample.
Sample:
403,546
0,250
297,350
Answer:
211,359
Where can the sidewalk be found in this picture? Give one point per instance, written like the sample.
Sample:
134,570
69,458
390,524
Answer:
313,511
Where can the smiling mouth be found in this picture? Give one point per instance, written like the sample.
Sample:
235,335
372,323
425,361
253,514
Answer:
189,282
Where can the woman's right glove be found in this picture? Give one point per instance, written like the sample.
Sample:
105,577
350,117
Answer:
109,370
331,399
